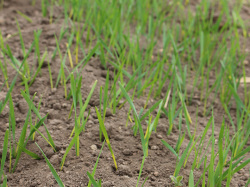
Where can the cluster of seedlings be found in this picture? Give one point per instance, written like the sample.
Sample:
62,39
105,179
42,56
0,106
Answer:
152,47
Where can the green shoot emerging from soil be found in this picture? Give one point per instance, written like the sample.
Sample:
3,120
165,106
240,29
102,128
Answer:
171,75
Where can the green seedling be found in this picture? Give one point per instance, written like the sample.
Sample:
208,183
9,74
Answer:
94,182
151,126
26,66
94,170
44,5
52,169
75,91
61,76
50,76
25,16
191,179
4,155
73,142
105,134
34,109
176,180
200,58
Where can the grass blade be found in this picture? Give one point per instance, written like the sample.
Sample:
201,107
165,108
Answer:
4,153
91,178
52,169
170,148
191,179
182,159
32,106
94,170
105,134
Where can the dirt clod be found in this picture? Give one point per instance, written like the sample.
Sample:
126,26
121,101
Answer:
55,160
127,152
109,113
124,170
57,106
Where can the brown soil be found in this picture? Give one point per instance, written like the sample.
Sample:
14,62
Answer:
160,163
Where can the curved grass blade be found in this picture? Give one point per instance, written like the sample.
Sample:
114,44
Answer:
150,110
85,60
87,100
32,106
8,94
21,143
144,181
93,173
25,16
52,169
4,153
136,118
182,159
91,178
191,179
12,120
5,182
36,127
105,134
73,141
142,164
33,155
170,148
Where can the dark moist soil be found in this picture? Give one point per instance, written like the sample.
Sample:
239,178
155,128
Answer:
160,163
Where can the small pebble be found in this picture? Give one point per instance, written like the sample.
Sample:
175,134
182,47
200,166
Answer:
159,136
64,105
156,173
245,62
93,147
18,120
154,147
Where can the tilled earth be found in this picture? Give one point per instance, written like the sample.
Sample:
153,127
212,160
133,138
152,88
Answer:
160,163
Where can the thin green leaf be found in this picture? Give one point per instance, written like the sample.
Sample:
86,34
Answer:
52,169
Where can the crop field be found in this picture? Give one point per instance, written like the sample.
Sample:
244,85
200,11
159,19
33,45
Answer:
125,93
